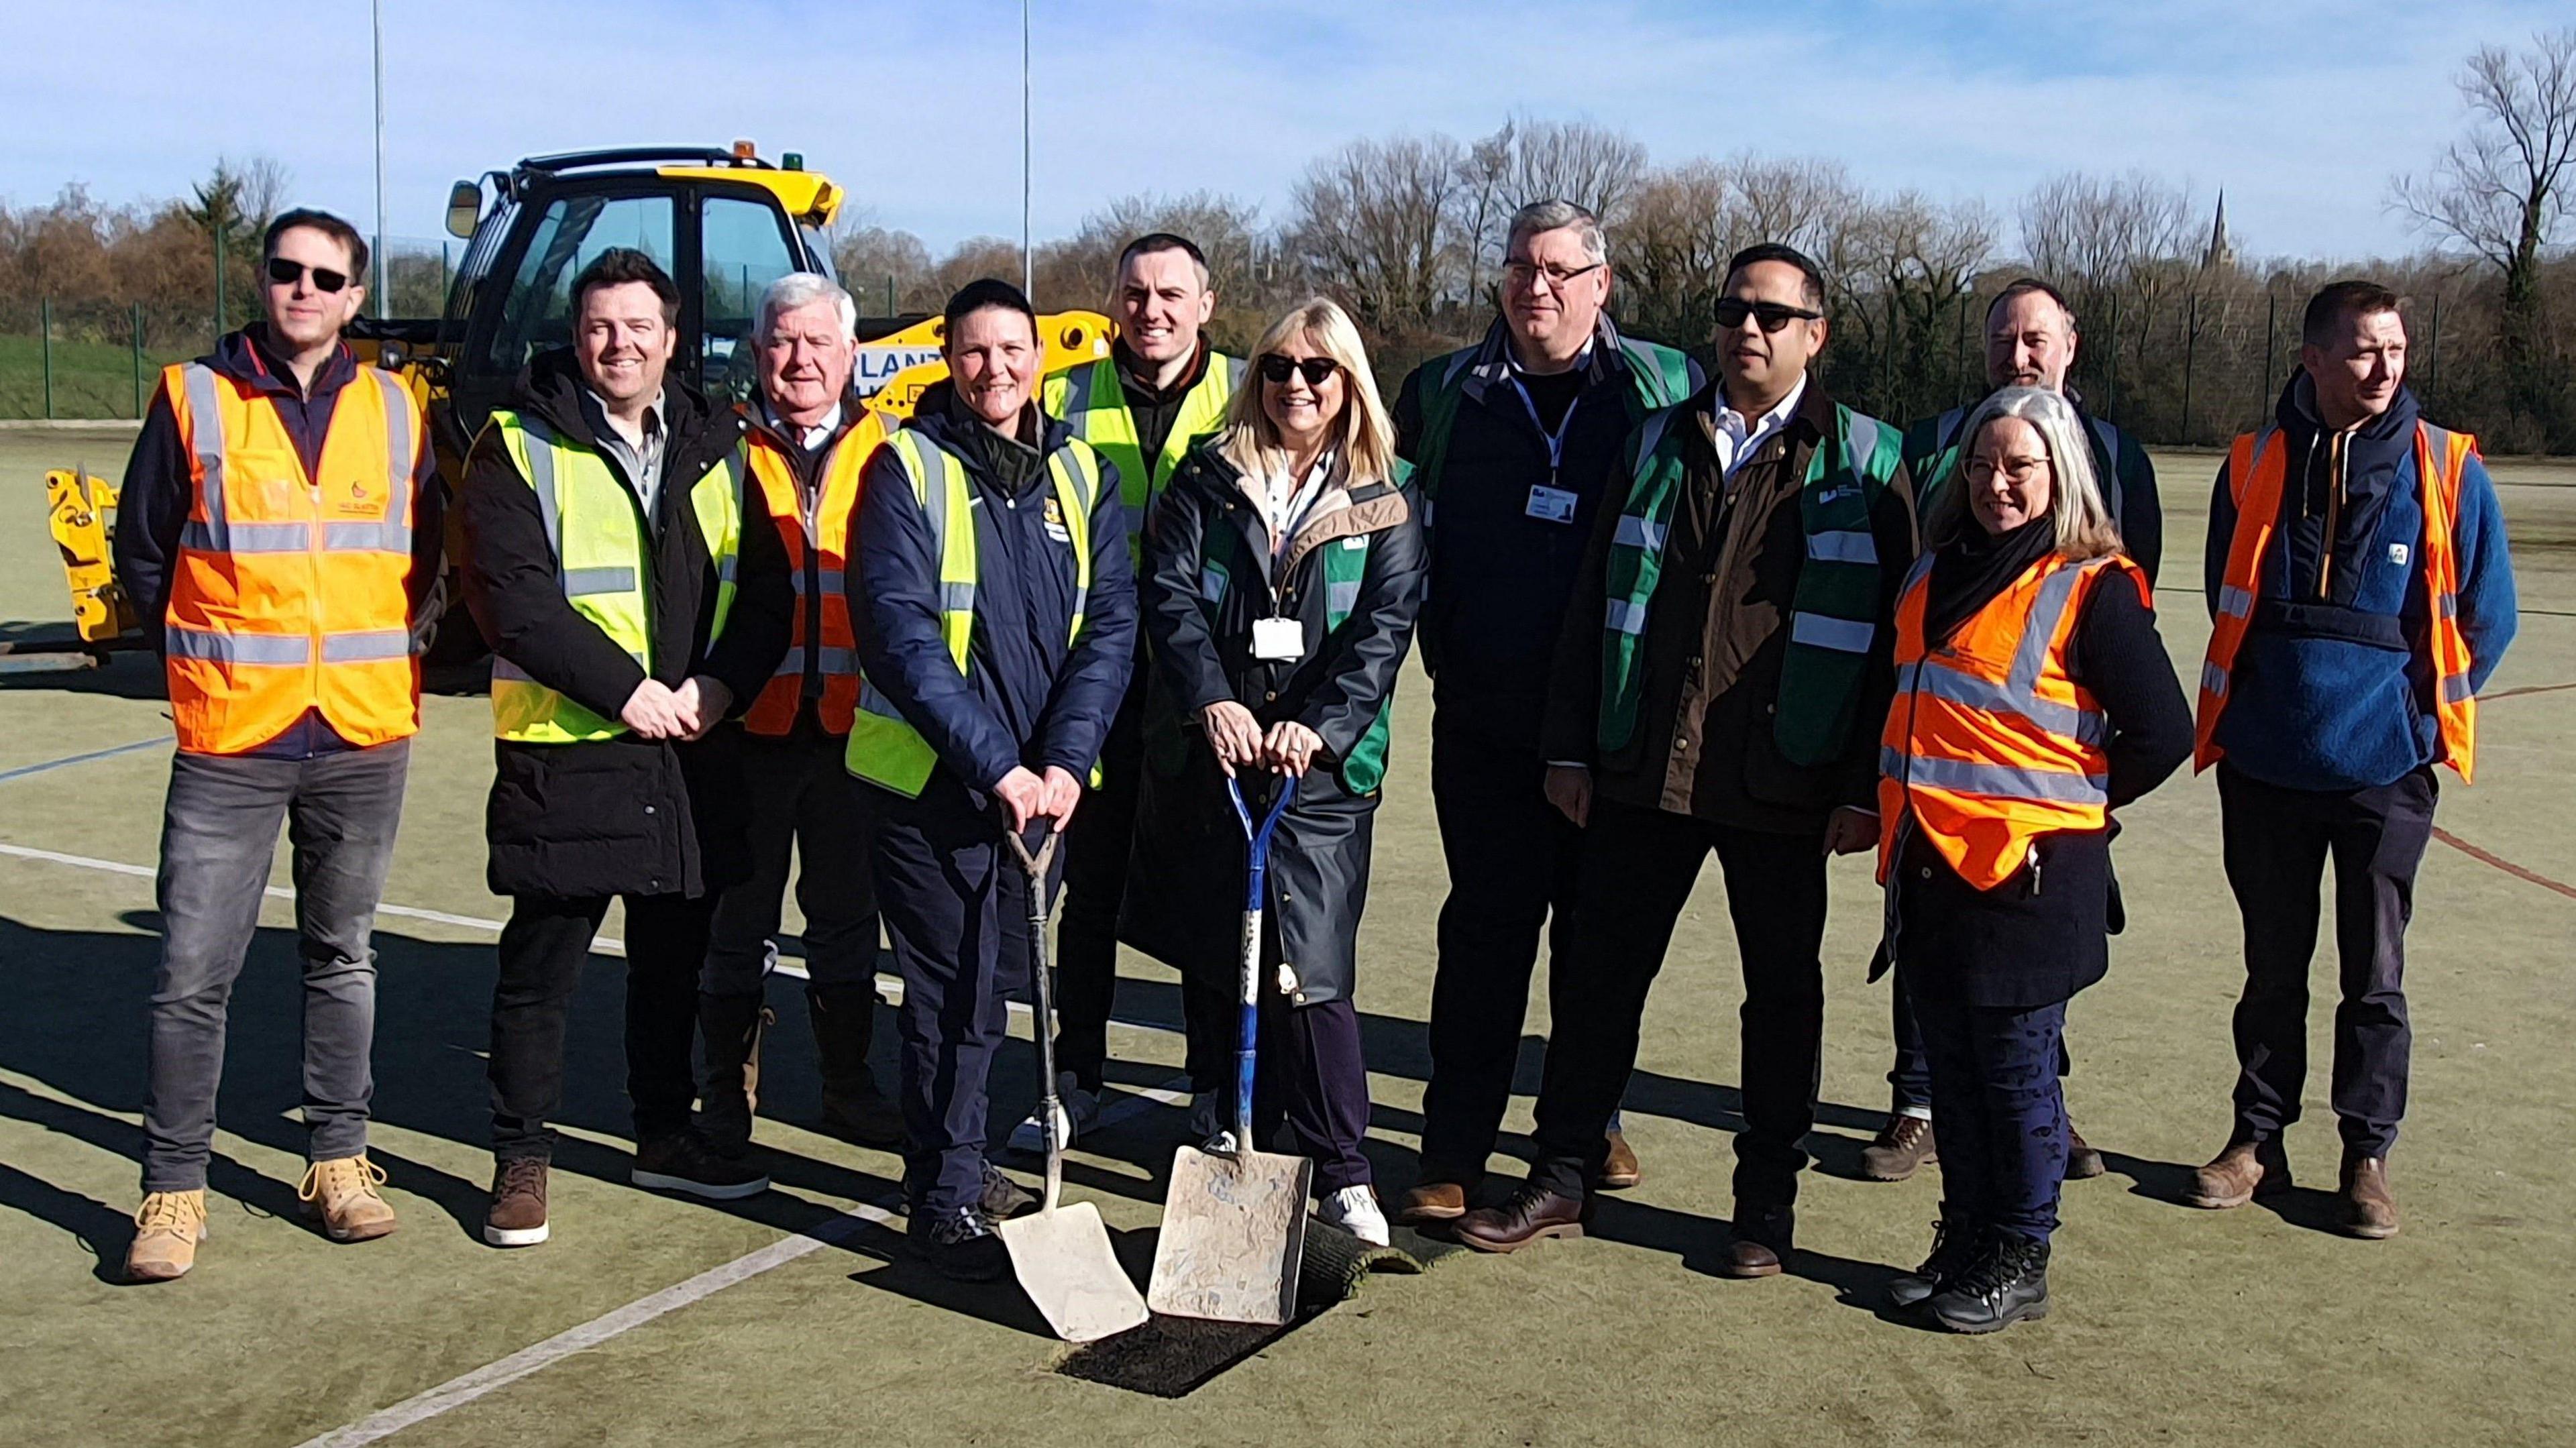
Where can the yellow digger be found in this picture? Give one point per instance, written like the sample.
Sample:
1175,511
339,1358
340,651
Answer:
724,222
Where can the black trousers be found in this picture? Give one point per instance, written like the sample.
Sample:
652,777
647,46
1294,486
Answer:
542,950
1512,875
1637,871
2277,842
1095,880
802,802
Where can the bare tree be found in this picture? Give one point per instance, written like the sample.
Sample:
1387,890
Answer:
1377,222
2505,189
1226,229
1594,167
883,269
2087,232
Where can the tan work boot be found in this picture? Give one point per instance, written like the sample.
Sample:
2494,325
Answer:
167,1228
1903,1144
2365,1207
341,1195
1619,1170
2239,1174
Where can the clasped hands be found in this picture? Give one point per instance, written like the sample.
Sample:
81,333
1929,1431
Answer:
657,711
1289,747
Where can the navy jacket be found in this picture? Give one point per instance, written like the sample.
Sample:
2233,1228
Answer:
2332,689
1028,697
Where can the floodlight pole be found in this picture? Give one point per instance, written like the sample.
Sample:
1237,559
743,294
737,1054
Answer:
377,7
1028,257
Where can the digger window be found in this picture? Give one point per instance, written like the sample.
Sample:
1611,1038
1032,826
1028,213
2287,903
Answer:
744,246
575,229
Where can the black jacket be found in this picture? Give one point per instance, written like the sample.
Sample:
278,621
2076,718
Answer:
1499,576
622,815
1185,898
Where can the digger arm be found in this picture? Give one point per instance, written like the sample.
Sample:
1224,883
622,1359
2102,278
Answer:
80,511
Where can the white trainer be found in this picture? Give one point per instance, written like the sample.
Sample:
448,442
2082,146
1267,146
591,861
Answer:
1355,1210
1081,1113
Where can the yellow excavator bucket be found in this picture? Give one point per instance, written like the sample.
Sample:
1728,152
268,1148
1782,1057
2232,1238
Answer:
894,370
78,508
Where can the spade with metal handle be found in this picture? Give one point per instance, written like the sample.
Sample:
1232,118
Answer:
1061,1253
1234,1222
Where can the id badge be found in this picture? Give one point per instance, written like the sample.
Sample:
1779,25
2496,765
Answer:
1551,505
1278,640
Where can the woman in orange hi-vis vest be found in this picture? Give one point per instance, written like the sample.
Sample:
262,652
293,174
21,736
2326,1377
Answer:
2033,699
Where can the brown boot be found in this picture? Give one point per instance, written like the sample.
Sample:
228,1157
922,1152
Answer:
517,1216
1904,1143
730,1027
2364,1206
2083,1159
341,1195
167,1228
2239,1174
853,1108
1528,1215
1432,1199
1620,1171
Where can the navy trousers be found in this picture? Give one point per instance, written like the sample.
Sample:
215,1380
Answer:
2002,1113
955,904
1910,1077
1310,1075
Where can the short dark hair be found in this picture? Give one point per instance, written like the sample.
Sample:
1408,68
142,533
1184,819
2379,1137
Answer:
2340,301
1154,241
2024,286
983,293
620,265
1781,251
308,219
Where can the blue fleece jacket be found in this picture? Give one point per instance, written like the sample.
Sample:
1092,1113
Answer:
2333,687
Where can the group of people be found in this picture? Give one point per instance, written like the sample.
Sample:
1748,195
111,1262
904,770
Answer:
1664,614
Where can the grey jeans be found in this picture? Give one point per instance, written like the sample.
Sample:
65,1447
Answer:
218,836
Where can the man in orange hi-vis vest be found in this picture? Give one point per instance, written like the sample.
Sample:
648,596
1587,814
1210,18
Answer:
279,533
805,439
2360,594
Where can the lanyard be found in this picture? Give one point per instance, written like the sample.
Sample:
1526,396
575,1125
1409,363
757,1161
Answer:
1555,440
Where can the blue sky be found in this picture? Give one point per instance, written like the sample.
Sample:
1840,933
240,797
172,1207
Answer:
2301,111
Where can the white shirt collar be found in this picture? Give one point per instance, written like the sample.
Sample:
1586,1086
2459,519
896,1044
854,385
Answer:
811,437
1738,440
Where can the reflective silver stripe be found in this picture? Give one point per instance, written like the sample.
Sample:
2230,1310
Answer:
1135,521
796,581
206,426
1842,546
1077,389
1862,442
837,661
1842,635
724,567
580,581
541,476
1067,472
2000,781
365,537
237,648
2047,611
503,669
1917,571
1653,435
249,537
2449,604
2235,602
1625,617
1341,598
1943,682
398,450
1636,532
367,647
833,584
957,598
873,702
1211,583
2213,679
2455,688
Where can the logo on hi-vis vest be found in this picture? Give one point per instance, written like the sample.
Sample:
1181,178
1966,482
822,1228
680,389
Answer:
1053,517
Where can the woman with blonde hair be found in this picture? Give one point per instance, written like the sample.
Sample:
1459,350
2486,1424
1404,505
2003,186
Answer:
1283,570
2033,699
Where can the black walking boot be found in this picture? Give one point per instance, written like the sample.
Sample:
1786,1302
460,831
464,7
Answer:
1954,1240
2004,1282
730,1026
853,1108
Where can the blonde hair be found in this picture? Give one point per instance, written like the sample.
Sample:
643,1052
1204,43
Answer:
1366,439
2084,526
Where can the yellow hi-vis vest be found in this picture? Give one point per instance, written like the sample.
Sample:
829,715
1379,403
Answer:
601,557
884,749
1093,402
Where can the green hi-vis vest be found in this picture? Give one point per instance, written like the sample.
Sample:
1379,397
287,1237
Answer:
1833,616
884,749
1658,377
1345,565
1093,402
1932,449
602,555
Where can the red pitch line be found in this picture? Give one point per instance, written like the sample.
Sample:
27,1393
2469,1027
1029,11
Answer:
2508,866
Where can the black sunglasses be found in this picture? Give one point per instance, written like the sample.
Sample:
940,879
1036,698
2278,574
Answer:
1732,311
1276,369
286,273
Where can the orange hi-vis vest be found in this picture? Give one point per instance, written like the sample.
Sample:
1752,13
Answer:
1991,742
818,553
291,591
2258,469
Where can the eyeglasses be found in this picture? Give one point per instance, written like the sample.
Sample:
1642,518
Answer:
1731,312
1316,370
2018,471
1517,275
286,273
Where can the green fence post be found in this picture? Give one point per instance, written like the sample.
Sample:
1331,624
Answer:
2271,350
219,279
2190,346
134,331
889,294
45,325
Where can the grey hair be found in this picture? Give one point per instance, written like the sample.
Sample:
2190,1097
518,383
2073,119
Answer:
2084,526
803,289
1556,215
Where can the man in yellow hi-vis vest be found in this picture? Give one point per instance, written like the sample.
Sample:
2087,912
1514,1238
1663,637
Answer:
629,608
996,620
1161,389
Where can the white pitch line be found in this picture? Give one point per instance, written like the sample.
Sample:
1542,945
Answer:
458,1391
